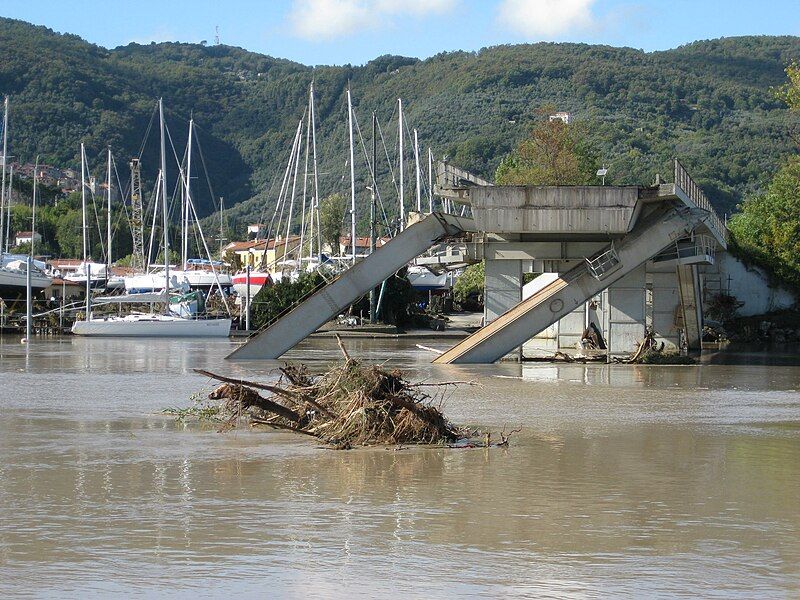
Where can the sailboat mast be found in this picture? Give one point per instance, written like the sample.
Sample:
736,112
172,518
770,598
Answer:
5,160
221,224
164,199
33,204
305,191
108,214
294,190
83,202
430,180
187,198
315,202
8,207
400,138
352,177
416,167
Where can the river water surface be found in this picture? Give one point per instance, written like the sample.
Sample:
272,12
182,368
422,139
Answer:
637,481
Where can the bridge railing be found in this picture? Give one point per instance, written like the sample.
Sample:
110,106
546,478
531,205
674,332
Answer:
696,195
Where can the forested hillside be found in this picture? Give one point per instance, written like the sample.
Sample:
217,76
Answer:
710,103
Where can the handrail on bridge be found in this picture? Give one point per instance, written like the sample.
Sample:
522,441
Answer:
699,199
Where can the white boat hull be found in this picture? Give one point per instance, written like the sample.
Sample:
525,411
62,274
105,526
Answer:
13,283
152,326
423,280
204,279
153,282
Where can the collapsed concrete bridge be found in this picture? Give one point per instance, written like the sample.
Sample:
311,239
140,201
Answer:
595,249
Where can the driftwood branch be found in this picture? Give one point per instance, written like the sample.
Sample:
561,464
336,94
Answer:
342,348
253,384
441,384
275,425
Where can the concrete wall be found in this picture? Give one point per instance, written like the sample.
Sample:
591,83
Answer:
749,285
565,210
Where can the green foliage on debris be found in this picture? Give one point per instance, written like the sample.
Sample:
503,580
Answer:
655,357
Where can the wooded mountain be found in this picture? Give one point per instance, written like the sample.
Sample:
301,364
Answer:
710,103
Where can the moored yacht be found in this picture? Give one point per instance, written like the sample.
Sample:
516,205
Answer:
170,323
13,277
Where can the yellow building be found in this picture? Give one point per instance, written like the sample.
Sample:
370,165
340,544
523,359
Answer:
263,255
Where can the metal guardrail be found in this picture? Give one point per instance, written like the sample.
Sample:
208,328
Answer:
700,245
602,264
684,181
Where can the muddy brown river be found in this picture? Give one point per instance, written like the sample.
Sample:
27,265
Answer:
633,481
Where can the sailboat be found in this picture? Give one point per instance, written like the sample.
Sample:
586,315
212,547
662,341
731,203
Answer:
196,274
166,324
14,267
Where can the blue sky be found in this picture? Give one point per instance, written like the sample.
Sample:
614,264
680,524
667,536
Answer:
354,31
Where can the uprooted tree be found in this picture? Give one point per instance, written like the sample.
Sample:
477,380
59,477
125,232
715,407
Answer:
350,405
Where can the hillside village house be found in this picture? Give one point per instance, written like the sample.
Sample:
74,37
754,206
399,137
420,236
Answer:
262,255
25,237
362,245
266,255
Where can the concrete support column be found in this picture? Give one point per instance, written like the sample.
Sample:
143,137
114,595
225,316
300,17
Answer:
624,313
502,288
692,304
667,311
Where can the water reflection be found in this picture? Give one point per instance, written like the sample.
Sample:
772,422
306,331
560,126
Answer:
623,481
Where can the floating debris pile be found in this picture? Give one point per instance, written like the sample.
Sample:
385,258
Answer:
350,405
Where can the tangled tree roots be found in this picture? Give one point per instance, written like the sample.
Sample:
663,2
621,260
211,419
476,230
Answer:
350,405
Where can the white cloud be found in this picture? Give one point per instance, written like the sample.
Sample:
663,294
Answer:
329,19
546,18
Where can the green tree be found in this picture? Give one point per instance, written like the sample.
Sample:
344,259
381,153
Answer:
555,153
69,226
790,92
272,300
331,218
768,227
471,282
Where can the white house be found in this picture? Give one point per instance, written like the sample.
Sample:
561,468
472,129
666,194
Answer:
25,237
562,116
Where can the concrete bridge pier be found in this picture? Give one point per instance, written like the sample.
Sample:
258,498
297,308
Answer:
692,305
502,287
